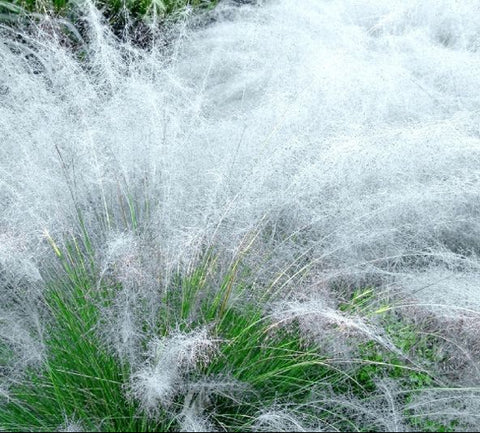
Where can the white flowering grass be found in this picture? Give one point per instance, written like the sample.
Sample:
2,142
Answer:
212,363
161,378
261,217
215,359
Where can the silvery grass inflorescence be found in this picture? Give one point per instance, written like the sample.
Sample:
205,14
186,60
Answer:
261,216
157,382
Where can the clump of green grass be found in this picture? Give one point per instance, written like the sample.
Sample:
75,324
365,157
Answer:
81,379
252,373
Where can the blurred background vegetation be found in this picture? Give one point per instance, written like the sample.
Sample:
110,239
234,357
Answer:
137,8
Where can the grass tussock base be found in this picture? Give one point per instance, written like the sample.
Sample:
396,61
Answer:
212,358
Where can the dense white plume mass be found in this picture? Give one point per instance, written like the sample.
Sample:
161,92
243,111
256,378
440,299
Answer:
354,124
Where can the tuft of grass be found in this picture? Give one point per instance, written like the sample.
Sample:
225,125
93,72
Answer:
81,379
249,368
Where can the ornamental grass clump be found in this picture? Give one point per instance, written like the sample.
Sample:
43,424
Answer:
262,215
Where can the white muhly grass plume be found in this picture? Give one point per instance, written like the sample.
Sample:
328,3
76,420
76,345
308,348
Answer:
23,335
20,288
169,361
316,318
121,263
122,258
192,417
281,421
383,411
16,262
354,125
445,405
127,265
393,417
